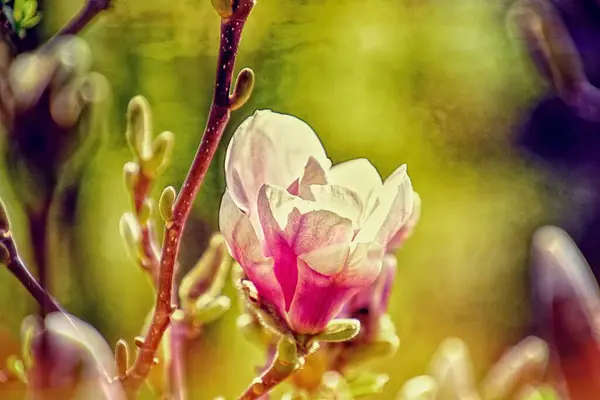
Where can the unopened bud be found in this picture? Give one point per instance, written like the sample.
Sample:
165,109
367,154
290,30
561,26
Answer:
131,233
139,127
242,90
419,388
208,276
122,357
223,7
162,150
130,175
339,330
166,202
146,211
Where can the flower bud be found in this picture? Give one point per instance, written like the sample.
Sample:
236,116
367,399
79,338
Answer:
339,330
162,150
130,175
122,357
223,7
139,127
207,277
166,203
243,89
419,388
131,234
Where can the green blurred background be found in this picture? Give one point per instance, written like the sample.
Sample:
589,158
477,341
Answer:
438,85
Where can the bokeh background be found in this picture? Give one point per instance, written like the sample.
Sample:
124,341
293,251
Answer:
439,85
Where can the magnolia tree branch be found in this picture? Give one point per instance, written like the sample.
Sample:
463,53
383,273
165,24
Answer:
78,23
16,266
223,103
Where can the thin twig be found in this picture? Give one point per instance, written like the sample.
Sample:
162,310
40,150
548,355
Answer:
231,30
16,266
271,377
78,23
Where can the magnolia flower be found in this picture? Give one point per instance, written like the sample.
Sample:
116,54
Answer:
308,235
370,303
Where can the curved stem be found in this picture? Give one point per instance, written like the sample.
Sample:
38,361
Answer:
89,11
16,266
271,377
231,31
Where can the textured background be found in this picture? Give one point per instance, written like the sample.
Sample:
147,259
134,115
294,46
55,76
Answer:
438,85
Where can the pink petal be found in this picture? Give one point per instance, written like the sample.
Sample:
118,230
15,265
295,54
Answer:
239,234
245,248
394,208
358,175
318,299
301,233
363,265
268,148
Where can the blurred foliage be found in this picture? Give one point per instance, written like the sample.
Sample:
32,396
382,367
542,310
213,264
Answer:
434,84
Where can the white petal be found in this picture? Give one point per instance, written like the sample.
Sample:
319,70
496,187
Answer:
327,260
314,174
303,227
358,175
394,208
269,148
344,202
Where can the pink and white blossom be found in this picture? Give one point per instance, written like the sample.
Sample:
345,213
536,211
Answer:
309,235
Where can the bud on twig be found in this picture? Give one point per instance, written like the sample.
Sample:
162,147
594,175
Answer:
207,278
162,149
242,90
130,175
223,7
122,357
339,330
131,233
139,127
166,202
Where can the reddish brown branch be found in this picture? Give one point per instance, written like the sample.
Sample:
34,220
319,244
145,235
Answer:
231,31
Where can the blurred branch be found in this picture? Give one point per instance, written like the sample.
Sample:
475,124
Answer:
78,23
16,266
222,104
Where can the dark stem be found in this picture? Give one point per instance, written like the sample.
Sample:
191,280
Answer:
78,23
16,266
231,31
